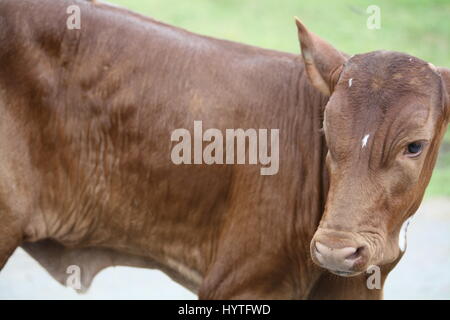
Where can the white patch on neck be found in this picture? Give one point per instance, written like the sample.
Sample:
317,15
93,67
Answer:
350,82
402,235
365,140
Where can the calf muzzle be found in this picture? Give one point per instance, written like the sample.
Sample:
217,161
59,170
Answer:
341,256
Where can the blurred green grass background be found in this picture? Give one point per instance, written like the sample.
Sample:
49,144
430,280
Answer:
418,27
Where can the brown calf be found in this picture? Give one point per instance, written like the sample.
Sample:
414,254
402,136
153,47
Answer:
87,179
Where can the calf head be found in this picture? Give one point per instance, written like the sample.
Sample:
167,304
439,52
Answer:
383,124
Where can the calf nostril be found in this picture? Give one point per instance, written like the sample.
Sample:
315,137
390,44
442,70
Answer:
355,255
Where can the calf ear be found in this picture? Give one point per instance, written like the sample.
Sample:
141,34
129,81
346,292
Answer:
323,62
445,74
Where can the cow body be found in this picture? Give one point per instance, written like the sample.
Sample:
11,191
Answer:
86,174
88,122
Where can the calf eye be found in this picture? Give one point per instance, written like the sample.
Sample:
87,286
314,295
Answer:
414,149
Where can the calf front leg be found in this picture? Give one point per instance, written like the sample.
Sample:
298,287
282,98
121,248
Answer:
251,279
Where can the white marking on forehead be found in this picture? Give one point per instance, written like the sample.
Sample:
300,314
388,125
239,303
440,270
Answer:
350,82
402,234
365,140
410,59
